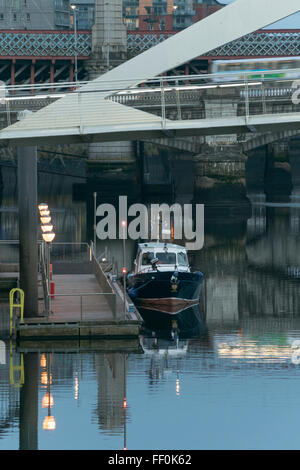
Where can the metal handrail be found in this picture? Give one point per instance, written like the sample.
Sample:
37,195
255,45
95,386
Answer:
154,80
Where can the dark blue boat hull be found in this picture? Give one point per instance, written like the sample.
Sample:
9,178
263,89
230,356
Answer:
167,291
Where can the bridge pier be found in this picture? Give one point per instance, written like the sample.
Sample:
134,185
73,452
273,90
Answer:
268,168
219,181
109,38
294,156
278,181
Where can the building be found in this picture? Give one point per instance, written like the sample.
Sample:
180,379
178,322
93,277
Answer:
34,14
85,14
157,14
137,14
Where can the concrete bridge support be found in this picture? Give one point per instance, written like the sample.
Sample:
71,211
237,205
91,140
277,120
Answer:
219,180
109,49
268,168
109,38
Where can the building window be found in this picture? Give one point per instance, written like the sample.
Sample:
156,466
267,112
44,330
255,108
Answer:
28,16
1,16
15,17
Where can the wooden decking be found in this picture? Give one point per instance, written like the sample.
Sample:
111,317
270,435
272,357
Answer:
70,304
84,306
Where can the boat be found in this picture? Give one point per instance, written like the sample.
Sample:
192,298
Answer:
162,279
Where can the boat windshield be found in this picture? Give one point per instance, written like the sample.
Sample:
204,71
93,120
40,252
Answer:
182,259
163,258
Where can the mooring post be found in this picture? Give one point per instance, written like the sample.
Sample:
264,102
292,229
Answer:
27,194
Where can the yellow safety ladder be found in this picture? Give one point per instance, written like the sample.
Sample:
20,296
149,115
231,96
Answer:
16,368
12,305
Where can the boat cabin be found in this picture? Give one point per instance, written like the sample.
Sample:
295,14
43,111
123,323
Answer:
161,257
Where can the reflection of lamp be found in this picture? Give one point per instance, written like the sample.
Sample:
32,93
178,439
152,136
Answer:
46,379
47,401
49,423
76,387
43,361
177,386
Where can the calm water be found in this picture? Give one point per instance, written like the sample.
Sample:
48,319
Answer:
231,381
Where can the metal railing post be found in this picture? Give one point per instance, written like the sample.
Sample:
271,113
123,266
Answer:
95,222
264,108
246,96
163,103
178,101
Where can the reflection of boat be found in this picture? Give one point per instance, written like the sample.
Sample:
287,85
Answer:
162,347
187,323
162,279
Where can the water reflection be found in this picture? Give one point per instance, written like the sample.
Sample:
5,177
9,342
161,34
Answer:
224,369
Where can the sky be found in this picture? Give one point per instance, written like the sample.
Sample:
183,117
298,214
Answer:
292,22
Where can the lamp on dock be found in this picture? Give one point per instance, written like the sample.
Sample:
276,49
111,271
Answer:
43,206
48,237
45,220
44,212
46,228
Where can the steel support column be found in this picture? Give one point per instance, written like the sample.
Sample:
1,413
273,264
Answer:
27,189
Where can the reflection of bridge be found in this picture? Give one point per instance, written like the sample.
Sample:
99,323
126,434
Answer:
248,278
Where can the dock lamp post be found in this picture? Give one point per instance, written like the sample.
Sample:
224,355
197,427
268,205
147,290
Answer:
124,270
74,9
48,238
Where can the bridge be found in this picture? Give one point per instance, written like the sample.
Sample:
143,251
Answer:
173,107
92,115
42,56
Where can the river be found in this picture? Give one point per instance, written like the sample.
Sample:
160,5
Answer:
231,381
